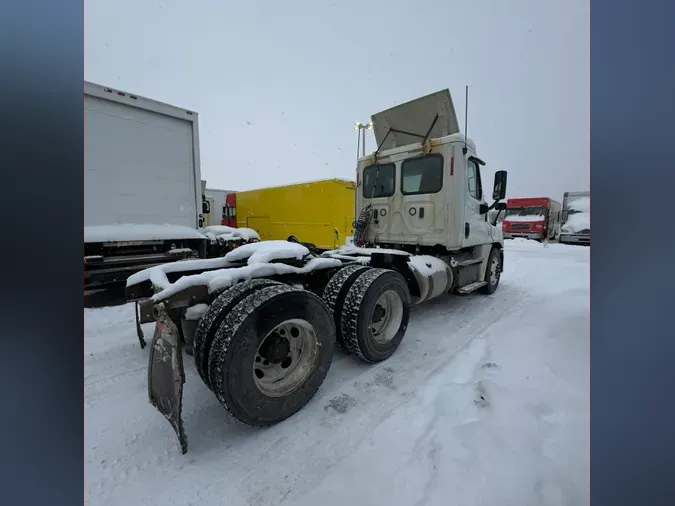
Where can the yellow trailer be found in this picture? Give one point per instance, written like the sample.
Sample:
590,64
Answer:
317,212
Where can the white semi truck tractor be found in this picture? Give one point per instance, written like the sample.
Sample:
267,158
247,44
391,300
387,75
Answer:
262,322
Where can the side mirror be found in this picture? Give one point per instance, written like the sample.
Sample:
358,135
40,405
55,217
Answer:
499,190
206,207
483,209
500,206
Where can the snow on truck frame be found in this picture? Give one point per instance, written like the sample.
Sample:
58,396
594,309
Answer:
262,321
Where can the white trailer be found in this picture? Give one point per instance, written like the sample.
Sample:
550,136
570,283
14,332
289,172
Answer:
216,199
576,218
143,196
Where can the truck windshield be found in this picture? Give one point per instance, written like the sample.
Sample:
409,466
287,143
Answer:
376,185
525,211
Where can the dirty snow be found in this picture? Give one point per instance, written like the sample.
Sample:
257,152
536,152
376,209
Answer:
516,218
133,232
485,403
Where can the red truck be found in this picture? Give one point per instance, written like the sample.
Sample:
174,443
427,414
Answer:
230,211
532,218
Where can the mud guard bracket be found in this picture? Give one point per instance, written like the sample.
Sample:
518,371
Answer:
166,374
139,330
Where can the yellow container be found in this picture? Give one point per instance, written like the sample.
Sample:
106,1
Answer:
317,212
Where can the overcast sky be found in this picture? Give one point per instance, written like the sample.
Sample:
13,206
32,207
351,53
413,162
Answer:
278,85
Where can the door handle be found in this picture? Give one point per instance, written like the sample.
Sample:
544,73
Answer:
467,230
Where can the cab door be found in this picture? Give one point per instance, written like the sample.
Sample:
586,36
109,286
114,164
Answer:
475,225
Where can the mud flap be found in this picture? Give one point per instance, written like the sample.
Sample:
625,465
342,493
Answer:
139,330
165,373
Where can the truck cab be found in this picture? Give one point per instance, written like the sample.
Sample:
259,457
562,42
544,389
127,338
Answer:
421,192
576,218
428,195
230,211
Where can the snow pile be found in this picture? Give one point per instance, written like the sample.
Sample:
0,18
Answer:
224,278
229,234
427,265
160,271
529,218
256,254
134,232
267,251
578,216
582,205
218,230
247,234
576,223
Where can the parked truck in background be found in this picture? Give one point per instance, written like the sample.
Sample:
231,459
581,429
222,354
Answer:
532,218
218,211
576,218
143,195
320,213
262,322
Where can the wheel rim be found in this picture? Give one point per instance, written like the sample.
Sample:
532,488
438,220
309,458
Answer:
387,316
495,271
285,358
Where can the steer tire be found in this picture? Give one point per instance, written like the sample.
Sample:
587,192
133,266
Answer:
359,312
334,296
214,315
494,261
233,364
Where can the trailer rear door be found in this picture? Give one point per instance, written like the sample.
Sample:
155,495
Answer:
139,166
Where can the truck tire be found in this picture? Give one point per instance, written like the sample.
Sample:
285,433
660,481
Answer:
271,354
214,315
493,272
375,314
335,292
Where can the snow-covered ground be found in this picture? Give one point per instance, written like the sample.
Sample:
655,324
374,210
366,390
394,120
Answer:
486,402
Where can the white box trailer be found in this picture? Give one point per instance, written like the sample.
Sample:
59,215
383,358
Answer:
143,195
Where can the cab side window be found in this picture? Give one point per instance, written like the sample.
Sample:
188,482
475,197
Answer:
473,179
